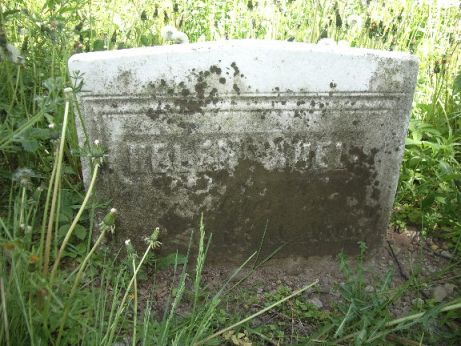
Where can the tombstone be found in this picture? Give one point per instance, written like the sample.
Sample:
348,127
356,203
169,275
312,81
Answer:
289,143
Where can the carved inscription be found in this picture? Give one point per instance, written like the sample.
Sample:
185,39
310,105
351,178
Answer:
223,153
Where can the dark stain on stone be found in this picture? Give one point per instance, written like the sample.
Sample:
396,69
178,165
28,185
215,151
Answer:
332,85
200,89
300,102
236,69
153,114
375,194
125,77
215,69
236,88
222,80
289,201
355,122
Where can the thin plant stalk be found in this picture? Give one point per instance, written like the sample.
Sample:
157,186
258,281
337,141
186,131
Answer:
4,311
260,312
111,330
135,302
74,222
46,258
420,314
76,283
45,210
401,320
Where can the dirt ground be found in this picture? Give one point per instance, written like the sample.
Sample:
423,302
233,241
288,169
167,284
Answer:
404,253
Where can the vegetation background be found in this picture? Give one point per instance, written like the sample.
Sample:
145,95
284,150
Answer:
55,282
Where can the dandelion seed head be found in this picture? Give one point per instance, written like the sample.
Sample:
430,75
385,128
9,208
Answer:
51,126
355,21
23,175
180,37
168,32
96,142
12,54
113,211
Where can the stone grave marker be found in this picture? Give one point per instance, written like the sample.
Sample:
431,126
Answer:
301,142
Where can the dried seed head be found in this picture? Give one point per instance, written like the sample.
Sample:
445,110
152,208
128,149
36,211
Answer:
168,32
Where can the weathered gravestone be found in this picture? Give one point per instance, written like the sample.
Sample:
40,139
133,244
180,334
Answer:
305,139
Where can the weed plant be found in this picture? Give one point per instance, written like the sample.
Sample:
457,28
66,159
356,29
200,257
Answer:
58,286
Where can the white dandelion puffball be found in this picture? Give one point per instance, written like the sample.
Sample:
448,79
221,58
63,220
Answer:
127,242
11,53
355,21
180,37
168,32
113,211
96,142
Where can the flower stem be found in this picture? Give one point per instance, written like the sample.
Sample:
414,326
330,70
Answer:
110,332
74,222
46,259
135,303
76,283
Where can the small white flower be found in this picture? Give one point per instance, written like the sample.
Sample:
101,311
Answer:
96,142
127,242
113,210
326,42
12,54
23,175
355,21
51,126
168,32
180,37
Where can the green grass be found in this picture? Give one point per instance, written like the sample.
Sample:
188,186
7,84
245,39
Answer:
58,287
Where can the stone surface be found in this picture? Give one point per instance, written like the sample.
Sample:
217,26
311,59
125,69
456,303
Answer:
304,141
